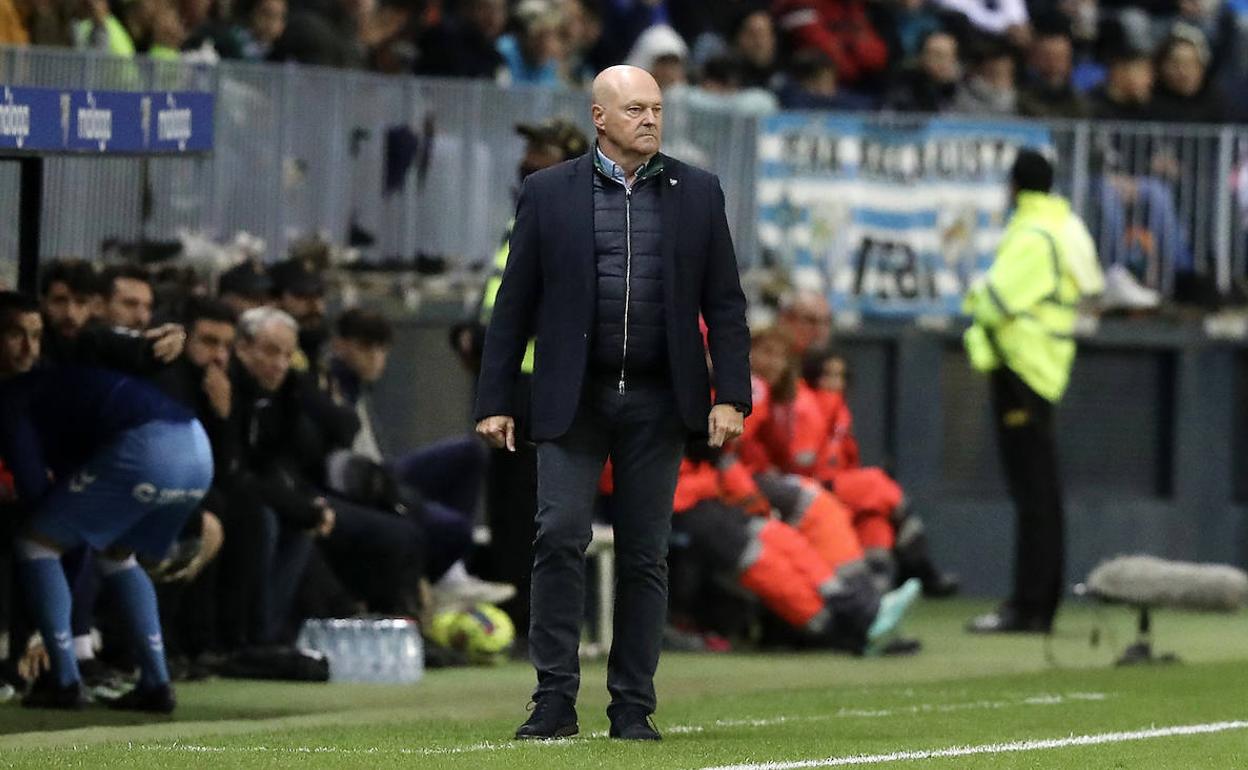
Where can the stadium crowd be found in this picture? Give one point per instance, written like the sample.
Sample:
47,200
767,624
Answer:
1163,60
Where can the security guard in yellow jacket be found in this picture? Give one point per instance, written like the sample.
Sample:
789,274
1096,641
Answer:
1023,315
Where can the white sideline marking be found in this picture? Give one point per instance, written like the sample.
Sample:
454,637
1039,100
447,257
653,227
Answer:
996,748
841,713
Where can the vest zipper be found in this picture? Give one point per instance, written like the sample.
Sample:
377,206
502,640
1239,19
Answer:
628,274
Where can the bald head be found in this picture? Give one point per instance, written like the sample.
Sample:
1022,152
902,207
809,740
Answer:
628,115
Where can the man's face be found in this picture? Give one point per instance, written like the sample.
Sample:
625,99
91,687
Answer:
130,305
209,343
307,309
809,323
489,17
1132,80
1051,60
998,73
67,311
632,116
268,20
756,39
268,356
832,378
367,360
20,343
1182,70
939,58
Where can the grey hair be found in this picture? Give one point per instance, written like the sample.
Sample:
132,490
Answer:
252,322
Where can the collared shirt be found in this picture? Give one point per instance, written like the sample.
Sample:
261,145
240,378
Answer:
615,171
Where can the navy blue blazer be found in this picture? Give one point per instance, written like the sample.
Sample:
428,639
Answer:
548,292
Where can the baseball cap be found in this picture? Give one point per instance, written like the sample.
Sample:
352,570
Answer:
246,279
556,132
295,277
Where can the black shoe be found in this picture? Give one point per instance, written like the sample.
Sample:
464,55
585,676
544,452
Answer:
157,700
45,693
940,585
553,716
633,724
1008,620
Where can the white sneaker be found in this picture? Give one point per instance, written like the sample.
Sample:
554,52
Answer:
470,590
1124,292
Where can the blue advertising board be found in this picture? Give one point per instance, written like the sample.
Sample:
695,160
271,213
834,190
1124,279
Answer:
896,218
51,120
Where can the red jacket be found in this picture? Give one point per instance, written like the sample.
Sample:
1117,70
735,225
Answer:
840,29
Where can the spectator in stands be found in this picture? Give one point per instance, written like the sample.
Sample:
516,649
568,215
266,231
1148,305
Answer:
842,30
329,35
810,84
300,291
71,288
806,321
1128,90
50,23
754,42
1184,90
264,22
96,28
124,486
534,53
625,21
12,28
989,88
710,29
245,285
581,31
932,84
1049,92
719,89
661,52
464,44
909,22
447,474
168,35
128,297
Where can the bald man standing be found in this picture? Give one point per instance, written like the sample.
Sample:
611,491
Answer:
613,257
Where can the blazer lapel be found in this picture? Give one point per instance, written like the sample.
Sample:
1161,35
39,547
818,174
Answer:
670,194
580,243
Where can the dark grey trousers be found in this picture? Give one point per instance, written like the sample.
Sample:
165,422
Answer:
644,436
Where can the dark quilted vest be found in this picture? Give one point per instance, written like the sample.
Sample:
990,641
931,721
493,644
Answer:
646,334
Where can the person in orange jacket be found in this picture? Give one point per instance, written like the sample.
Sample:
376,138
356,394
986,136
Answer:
876,499
729,522
790,440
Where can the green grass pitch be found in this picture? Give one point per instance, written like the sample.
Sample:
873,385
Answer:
996,701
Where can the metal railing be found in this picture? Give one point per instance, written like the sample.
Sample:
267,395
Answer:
428,165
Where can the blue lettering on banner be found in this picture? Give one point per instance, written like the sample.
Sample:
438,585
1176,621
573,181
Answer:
47,120
896,218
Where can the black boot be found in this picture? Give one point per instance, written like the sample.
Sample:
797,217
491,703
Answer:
156,700
554,716
632,723
45,693
915,560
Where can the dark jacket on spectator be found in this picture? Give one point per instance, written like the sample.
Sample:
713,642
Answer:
793,97
1038,101
1204,107
455,49
100,345
327,38
283,438
1106,108
914,91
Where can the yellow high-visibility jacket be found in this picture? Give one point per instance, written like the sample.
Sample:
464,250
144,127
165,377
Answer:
1025,307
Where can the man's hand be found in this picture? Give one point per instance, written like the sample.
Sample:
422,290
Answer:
217,388
328,518
724,424
167,341
498,431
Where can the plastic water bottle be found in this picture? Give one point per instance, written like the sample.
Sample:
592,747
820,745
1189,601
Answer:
385,650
